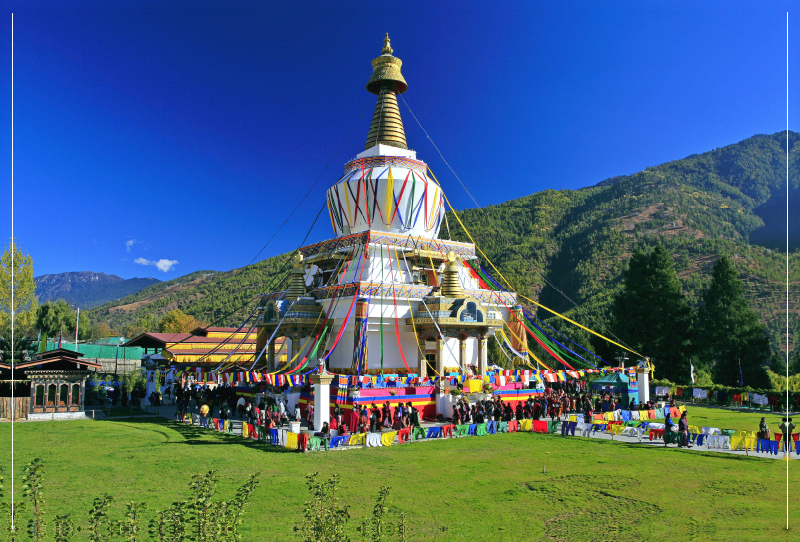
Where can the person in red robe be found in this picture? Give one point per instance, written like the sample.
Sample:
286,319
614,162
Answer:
354,415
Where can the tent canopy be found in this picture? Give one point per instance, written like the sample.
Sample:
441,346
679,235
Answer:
613,380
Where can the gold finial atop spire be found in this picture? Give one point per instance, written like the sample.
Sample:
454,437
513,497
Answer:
387,82
451,285
297,285
387,48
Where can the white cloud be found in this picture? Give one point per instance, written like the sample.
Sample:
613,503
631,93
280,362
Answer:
162,264
129,243
165,265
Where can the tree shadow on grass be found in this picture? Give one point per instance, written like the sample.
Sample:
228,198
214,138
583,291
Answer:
709,454
199,436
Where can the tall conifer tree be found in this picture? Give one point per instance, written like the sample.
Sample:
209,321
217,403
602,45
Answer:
652,316
729,331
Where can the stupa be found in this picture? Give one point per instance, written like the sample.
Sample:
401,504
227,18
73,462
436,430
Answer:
387,297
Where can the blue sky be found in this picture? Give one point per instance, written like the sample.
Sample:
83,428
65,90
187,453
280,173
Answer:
183,133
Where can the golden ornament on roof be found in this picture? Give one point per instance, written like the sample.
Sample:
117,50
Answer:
387,82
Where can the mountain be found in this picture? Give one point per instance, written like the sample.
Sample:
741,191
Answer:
209,296
568,249
87,289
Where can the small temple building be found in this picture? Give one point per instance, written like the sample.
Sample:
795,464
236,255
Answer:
55,382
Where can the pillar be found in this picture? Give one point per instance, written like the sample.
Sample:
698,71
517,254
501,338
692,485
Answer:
295,345
322,399
462,352
423,362
440,355
643,379
271,356
483,363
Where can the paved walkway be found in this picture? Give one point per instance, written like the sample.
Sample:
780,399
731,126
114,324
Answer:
168,411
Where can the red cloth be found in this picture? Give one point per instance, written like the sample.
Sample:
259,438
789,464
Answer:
597,416
675,413
403,435
513,426
302,441
656,433
539,426
652,414
447,430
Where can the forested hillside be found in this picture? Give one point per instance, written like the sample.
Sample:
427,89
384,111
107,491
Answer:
211,297
565,246
703,206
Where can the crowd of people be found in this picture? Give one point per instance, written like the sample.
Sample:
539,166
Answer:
224,403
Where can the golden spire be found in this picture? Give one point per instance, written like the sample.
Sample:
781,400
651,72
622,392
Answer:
297,285
387,82
387,48
451,285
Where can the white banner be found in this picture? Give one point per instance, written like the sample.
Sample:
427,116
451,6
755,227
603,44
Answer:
699,393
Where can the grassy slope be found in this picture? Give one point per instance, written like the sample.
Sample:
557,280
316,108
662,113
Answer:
467,489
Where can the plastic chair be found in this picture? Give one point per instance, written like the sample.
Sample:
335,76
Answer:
302,441
571,428
357,439
387,439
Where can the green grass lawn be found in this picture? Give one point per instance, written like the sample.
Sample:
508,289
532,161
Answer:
489,488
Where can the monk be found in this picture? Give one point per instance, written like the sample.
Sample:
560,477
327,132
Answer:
354,415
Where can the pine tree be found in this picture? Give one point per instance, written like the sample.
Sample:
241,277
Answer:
652,316
730,332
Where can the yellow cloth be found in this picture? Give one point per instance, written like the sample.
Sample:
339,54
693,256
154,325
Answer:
525,425
291,440
682,408
227,426
388,438
357,438
573,418
644,415
609,416
474,385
